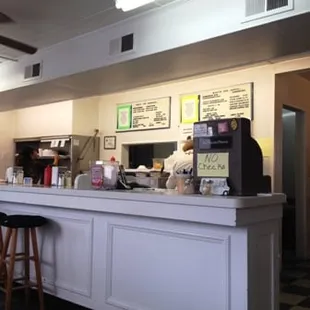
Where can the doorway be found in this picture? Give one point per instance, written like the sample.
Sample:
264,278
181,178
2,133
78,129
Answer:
294,225
134,155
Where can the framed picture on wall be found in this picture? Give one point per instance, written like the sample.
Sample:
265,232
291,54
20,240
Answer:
109,142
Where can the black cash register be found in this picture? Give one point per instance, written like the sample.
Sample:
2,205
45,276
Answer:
123,182
224,149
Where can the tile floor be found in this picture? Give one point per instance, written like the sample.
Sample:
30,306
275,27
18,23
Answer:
295,291
51,303
295,286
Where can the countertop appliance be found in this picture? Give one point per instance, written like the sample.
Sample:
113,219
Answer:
224,149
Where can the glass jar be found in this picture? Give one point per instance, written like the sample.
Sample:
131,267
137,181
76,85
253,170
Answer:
104,174
18,175
96,176
68,179
111,169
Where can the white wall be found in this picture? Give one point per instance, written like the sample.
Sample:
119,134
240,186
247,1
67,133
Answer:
85,116
45,120
7,120
68,117
267,110
61,118
157,31
263,124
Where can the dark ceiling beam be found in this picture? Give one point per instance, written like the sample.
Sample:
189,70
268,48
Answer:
16,45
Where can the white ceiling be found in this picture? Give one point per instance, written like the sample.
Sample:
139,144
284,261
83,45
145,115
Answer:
43,23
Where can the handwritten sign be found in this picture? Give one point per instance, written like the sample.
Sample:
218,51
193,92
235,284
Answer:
235,101
213,165
150,114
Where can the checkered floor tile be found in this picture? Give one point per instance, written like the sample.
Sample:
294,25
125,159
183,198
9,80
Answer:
51,303
295,286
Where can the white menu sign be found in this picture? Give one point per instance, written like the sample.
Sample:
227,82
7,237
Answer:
151,114
230,102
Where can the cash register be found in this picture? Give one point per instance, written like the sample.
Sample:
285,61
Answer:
224,150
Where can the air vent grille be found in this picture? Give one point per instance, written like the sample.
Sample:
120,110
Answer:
276,4
33,71
255,7
267,7
121,45
127,43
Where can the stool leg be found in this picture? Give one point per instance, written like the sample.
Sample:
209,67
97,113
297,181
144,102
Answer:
1,239
10,277
26,266
4,251
37,266
2,272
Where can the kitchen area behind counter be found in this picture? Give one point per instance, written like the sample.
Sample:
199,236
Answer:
110,249
75,152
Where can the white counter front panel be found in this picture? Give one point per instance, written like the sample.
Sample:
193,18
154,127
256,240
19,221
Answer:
112,261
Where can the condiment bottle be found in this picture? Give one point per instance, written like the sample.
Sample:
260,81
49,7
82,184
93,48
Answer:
48,176
68,179
61,179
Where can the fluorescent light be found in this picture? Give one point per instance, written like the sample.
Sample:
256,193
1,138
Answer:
127,5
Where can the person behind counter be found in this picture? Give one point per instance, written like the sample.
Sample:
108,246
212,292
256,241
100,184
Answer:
33,168
28,160
183,162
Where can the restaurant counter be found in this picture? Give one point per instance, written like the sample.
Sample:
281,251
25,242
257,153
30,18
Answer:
155,250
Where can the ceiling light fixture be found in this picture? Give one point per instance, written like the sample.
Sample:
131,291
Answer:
128,5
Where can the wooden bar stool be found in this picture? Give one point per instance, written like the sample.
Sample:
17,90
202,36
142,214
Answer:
3,273
29,224
2,216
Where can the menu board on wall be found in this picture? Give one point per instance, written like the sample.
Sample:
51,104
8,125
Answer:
145,115
235,101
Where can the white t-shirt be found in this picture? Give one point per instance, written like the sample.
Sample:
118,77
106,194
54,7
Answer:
183,162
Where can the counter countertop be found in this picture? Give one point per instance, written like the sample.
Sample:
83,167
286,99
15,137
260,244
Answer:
165,204
146,195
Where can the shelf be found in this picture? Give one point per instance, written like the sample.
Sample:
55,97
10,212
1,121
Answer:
52,157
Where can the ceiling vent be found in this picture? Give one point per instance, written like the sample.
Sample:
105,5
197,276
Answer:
33,71
256,9
121,45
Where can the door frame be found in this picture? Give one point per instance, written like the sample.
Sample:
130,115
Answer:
300,163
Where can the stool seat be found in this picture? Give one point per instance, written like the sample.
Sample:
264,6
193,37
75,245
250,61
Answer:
2,215
22,221
9,255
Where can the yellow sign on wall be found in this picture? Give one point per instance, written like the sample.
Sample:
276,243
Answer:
189,109
213,165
